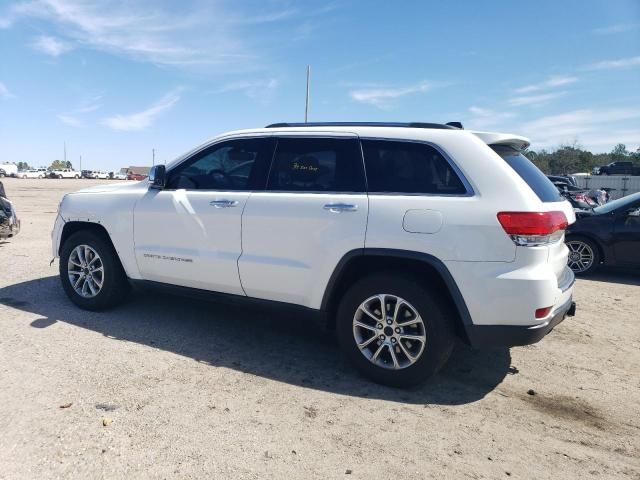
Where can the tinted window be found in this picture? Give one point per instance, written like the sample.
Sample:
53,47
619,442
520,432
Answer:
405,167
537,181
317,165
232,165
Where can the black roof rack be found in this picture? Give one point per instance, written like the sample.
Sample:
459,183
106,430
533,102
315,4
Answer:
441,126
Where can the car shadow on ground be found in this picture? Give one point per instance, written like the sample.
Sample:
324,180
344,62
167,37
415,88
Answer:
615,275
266,342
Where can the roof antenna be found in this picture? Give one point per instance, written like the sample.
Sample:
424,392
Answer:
306,103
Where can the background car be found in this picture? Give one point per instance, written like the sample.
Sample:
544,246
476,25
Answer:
9,223
33,173
618,168
8,170
100,174
135,176
606,235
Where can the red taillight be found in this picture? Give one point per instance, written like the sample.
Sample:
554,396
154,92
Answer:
533,229
581,197
532,223
543,312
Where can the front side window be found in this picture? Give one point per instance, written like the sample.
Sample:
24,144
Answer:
231,165
317,165
406,167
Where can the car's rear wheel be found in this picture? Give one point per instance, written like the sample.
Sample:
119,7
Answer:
584,256
91,273
394,330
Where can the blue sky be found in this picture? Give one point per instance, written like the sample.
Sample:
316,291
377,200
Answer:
115,79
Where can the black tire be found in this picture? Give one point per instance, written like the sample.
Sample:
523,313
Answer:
589,245
115,288
438,327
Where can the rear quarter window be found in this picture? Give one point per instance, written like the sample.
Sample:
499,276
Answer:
410,168
537,181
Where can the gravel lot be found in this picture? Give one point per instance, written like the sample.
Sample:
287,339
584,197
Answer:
166,387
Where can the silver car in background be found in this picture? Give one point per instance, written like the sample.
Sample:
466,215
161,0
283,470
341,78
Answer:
9,223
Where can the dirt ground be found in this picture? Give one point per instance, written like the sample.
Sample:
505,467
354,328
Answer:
166,387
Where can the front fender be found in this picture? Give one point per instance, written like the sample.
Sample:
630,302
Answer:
113,212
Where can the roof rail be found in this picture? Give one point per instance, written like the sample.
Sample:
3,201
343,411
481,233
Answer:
448,126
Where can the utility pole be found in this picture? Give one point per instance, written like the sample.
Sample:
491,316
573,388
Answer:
81,163
153,157
306,103
65,152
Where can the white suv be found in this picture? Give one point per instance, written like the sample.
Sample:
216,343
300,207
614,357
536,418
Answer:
404,237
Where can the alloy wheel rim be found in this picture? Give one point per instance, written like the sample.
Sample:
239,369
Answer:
85,271
581,256
389,331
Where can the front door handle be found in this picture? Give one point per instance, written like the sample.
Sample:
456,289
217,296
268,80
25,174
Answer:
223,203
340,207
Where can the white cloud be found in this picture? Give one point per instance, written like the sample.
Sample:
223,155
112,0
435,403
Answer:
145,118
552,82
69,120
484,118
619,28
194,34
535,100
614,64
260,90
51,46
382,96
73,118
589,126
4,92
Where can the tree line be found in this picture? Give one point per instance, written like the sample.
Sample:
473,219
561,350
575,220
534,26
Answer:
55,165
568,159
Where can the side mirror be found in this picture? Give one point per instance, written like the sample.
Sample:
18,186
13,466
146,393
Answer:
158,177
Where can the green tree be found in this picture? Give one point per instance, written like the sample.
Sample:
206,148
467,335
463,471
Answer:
58,165
619,153
23,166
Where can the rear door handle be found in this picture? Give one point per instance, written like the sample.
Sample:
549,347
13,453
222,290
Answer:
223,203
340,207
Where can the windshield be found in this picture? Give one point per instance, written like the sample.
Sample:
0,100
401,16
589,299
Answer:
619,203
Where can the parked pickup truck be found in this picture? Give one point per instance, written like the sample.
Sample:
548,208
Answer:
8,170
65,173
618,168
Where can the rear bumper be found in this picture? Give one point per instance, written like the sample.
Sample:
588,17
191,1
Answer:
514,335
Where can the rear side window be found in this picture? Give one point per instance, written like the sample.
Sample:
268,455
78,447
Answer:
406,167
537,181
317,165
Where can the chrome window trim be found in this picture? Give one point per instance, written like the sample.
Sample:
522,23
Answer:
469,191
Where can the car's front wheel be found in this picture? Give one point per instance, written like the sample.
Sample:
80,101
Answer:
395,330
91,273
584,256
